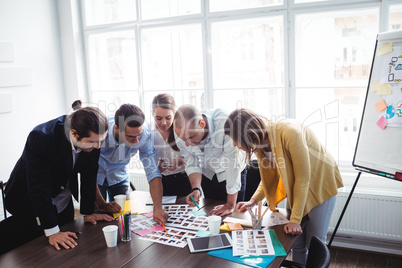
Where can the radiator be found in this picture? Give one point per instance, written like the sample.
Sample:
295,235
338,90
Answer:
368,215
140,181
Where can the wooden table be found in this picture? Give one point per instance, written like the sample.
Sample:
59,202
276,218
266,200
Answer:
93,252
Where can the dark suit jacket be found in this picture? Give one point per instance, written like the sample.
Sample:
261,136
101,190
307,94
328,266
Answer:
43,171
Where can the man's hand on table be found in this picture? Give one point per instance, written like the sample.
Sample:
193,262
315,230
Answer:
111,207
222,210
94,218
160,216
64,239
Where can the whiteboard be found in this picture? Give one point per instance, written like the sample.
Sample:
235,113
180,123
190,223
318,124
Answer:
379,144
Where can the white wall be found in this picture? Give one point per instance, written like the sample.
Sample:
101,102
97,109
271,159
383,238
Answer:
33,28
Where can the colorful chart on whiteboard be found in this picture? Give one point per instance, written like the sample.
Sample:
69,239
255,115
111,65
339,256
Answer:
388,86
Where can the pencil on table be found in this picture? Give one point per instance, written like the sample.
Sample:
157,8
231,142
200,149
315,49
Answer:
164,227
251,213
259,209
265,211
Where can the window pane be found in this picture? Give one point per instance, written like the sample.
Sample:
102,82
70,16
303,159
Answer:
334,114
172,58
395,17
248,53
335,49
112,61
108,11
267,102
109,102
222,5
153,9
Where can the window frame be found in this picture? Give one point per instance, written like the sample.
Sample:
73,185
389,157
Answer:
289,10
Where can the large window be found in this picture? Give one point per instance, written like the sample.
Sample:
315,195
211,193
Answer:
333,58
248,64
395,17
305,59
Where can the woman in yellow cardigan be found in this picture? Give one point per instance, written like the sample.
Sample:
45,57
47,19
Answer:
294,165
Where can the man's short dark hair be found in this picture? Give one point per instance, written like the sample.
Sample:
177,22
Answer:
130,115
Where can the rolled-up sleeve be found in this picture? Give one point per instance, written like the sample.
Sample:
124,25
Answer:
149,159
233,161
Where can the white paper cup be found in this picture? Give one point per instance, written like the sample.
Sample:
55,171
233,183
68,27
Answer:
214,224
121,200
110,233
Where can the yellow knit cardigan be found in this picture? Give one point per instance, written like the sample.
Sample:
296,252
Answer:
303,171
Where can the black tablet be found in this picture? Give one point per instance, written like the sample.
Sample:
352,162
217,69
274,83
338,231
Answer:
199,244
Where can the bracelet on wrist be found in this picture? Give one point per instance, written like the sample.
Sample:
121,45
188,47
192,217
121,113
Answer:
196,188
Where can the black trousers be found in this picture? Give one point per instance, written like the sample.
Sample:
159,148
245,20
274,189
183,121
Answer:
19,229
217,190
176,184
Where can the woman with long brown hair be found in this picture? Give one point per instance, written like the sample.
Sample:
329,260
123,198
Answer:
171,164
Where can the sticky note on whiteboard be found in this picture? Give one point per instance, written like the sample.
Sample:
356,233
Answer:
6,102
380,106
382,122
385,49
374,86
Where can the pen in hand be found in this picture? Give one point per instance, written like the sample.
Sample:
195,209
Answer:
196,204
164,227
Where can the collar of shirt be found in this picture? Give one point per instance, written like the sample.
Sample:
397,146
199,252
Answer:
74,151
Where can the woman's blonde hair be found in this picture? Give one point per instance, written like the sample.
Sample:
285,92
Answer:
248,130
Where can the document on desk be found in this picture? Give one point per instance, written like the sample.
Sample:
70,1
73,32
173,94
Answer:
191,222
165,200
174,237
270,219
252,243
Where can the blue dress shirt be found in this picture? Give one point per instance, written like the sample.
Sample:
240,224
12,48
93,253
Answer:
114,158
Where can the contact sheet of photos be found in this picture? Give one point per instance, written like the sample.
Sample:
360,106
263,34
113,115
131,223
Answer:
179,216
190,222
172,210
140,222
252,242
175,237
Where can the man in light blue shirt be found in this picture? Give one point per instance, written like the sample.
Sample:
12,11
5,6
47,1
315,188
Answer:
125,138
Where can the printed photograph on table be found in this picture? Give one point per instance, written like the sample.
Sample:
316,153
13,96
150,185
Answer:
140,222
178,209
190,222
252,242
174,237
276,218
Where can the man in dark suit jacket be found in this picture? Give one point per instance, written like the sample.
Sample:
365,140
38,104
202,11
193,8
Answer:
38,193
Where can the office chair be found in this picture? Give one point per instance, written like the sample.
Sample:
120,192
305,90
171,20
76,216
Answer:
132,186
318,256
2,186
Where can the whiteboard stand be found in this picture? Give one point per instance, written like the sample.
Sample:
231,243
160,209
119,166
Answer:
344,209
